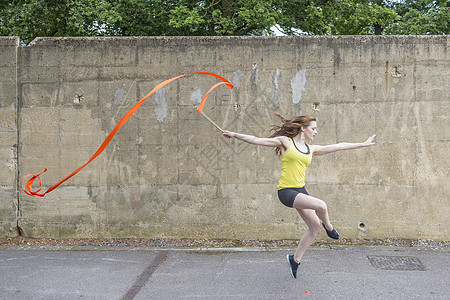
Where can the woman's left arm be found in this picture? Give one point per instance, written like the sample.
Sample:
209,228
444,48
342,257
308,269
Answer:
321,150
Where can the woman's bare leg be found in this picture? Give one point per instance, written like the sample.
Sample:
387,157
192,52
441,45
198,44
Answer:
313,211
314,229
303,201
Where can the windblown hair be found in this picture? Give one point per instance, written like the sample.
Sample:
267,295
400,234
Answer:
290,127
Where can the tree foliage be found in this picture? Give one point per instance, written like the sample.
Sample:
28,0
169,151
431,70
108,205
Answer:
32,18
136,17
238,17
335,17
421,17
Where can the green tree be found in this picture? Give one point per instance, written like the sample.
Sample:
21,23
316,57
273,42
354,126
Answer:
353,17
136,17
32,18
421,17
226,17
187,17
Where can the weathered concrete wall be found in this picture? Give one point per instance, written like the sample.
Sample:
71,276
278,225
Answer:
8,136
169,173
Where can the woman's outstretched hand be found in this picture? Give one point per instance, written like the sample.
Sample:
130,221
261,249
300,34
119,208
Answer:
227,134
369,141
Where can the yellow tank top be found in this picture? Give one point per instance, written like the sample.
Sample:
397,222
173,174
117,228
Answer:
293,167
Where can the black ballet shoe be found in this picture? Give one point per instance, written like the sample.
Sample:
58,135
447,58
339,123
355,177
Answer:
332,233
293,265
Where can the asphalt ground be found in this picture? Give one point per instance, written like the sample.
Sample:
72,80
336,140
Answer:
331,272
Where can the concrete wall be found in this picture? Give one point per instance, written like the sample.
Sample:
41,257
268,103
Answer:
8,136
168,172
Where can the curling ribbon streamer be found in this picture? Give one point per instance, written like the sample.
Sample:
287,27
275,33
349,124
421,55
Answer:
114,131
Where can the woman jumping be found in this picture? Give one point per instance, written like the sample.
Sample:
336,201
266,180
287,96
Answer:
290,142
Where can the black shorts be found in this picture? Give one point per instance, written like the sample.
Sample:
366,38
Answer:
287,196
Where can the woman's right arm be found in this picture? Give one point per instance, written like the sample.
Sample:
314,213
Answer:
279,141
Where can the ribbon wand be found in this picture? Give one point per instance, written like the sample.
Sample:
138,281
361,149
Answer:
202,103
211,121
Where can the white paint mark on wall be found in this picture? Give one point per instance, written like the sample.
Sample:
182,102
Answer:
298,84
237,79
60,132
118,96
276,80
161,108
12,162
196,97
255,74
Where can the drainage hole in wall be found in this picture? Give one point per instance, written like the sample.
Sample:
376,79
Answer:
362,225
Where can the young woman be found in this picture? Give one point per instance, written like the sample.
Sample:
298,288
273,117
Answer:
289,140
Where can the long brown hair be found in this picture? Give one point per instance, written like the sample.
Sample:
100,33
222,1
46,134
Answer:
290,127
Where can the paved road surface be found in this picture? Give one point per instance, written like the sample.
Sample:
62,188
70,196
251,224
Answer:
337,272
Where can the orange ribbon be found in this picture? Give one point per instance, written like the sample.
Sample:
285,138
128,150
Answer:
114,131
